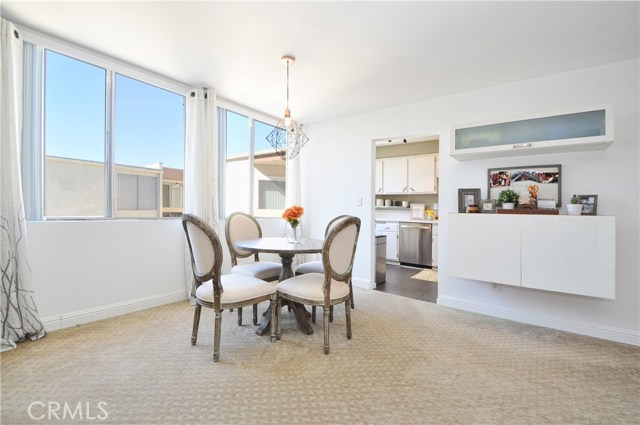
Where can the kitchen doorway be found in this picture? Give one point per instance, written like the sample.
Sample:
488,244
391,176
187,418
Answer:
405,196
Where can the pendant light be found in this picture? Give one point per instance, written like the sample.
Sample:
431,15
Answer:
287,138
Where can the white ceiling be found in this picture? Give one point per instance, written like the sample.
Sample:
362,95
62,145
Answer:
351,57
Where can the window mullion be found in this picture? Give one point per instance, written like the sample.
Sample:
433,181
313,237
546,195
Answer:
109,148
251,167
222,160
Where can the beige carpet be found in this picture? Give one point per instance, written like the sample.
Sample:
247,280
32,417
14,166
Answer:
427,274
409,362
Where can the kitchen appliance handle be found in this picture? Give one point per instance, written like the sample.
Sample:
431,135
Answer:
413,226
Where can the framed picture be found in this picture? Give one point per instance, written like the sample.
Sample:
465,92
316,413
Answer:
488,206
417,211
589,204
467,197
543,180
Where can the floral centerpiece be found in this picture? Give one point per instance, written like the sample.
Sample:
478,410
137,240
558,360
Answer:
292,216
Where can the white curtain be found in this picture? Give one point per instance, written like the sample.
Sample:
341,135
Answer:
201,165
19,314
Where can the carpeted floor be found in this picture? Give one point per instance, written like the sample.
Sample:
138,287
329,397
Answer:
409,362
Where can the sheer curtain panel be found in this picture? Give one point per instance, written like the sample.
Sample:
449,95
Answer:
201,166
20,319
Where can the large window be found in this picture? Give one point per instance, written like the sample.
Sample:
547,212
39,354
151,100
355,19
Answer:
113,145
253,175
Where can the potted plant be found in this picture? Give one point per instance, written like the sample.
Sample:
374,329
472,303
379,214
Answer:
574,208
508,198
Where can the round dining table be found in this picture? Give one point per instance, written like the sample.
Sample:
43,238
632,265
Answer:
286,250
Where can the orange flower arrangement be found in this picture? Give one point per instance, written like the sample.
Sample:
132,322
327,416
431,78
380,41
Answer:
293,214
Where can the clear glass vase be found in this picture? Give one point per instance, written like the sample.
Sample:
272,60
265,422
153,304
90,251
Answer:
294,233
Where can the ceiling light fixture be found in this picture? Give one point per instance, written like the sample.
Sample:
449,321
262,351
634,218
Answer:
287,138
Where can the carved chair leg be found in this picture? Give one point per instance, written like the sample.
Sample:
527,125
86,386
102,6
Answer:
348,316
255,314
196,323
325,322
274,318
351,294
331,314
313,314
278,322
216,336
239,316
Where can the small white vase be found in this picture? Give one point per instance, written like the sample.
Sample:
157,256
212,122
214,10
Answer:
294,233
574,209
508,206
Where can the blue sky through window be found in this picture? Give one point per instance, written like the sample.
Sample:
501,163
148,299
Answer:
149,121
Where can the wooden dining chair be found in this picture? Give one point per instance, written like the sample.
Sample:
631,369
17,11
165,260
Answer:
331,287
241,226
316,267
214,290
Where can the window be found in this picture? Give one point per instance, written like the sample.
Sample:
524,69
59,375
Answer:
75,111
253,175
112,143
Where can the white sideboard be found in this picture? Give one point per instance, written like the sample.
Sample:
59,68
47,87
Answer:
569,254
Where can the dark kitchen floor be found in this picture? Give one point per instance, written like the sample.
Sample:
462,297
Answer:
400,282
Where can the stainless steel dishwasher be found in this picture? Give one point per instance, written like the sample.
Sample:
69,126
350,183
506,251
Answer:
415,244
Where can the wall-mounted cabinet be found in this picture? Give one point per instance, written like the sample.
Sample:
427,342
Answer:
407,175
569,254
578,129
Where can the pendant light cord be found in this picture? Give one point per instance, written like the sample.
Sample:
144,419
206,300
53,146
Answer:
287,84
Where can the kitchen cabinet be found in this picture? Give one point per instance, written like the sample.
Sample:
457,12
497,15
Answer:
421,174
394,175
379,170
568,254
390,230
407,175
577,129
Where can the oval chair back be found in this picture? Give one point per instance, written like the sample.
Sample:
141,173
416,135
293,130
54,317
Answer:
206,252
241,226
338,251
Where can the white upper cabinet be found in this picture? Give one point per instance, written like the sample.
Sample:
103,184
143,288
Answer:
407,174
394,175
577,129
379,168
422,174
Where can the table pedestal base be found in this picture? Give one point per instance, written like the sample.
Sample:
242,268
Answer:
300,312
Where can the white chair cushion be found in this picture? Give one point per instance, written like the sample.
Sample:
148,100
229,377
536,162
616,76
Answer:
310,267
259,269
309,287
236,288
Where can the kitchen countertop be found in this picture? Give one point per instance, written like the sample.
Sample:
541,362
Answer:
379,220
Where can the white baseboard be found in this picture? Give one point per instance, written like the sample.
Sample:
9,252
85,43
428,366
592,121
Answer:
610,334
67,320
362,283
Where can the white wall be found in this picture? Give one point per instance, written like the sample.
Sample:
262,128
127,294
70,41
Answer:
90,270
346,144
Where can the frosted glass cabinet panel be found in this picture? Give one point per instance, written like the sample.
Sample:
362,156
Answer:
584,129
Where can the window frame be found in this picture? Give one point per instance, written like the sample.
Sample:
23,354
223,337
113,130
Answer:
33,157
252,115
